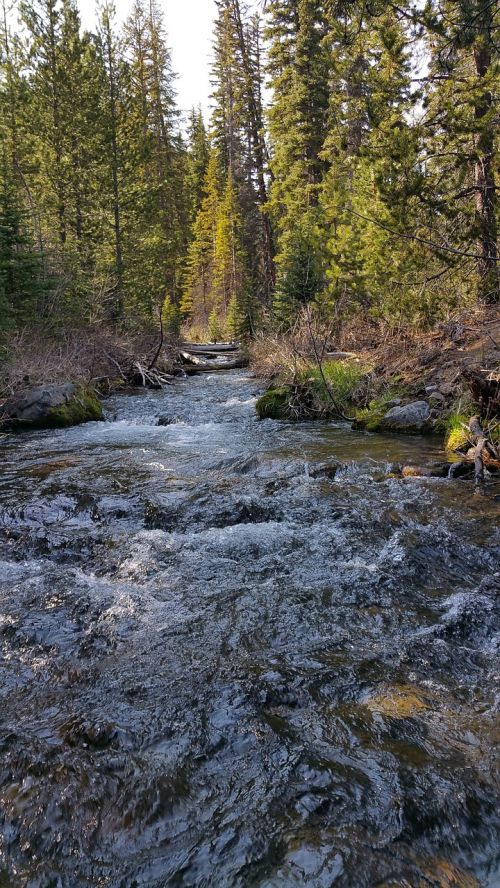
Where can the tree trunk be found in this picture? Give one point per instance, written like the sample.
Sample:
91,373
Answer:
118,300
484,179
255,116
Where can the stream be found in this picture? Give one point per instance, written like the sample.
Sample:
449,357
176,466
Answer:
234,654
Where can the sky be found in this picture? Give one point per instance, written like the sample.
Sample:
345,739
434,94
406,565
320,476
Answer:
189,29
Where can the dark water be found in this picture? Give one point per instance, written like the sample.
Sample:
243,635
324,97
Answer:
224,665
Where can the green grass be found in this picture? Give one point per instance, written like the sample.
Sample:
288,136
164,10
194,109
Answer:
342,379
458,437
457,432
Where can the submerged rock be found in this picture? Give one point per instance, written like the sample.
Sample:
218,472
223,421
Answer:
50,407
436,470
399,702
327,470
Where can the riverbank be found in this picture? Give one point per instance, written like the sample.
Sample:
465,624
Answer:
96,356
424,383
37,393
418,383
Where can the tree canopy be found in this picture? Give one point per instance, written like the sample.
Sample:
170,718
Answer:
349,163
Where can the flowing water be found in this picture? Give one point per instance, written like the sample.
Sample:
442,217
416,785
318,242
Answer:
226,664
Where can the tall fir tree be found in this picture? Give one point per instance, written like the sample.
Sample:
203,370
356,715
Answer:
157,218
299,75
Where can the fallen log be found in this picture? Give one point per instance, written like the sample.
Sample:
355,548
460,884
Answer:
208,367
213,354
340,355
188,358
213,348
194,364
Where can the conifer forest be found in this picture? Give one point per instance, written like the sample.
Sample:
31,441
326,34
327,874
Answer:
348,164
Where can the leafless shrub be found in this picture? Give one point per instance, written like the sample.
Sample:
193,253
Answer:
287,354
91,355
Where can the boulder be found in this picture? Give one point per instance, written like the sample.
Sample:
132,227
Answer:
50,407
447,389
409,418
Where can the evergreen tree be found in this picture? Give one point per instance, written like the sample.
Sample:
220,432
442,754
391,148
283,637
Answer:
377,192
43,20
198,156
372,151
156,227
111,128
22,283
229,258
199,288
460,130
297,123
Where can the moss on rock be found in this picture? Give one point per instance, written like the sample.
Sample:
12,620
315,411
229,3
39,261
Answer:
82,406
273,404
370,418
51,407
413,418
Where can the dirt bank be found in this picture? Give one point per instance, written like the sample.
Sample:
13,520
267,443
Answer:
401,381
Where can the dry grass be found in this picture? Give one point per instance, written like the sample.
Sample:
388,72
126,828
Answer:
91,355
288,355
471,338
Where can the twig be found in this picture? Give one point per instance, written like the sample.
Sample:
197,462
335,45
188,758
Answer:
320,367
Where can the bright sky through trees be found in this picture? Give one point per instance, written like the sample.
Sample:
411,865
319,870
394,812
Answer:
189,25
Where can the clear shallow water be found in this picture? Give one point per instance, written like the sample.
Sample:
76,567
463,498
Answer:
225,665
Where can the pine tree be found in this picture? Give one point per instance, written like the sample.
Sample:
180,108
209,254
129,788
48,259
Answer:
229,258
237,129
42,19
297,123
199,287
460,130
198,156
156,226
374,177
111,175
22,281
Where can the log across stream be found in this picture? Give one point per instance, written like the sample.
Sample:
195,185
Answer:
210,358
240,653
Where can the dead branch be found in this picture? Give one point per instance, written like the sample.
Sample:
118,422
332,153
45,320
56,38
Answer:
483,449
160,345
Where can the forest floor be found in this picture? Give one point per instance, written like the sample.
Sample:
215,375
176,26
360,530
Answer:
437,357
